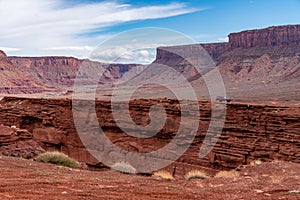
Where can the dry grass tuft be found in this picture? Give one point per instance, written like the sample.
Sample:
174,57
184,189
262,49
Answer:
276,179
164,174
195,174
227,174
57,158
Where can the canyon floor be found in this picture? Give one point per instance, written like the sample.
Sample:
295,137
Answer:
26,179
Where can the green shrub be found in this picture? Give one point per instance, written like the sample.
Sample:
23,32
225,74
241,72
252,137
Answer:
58,159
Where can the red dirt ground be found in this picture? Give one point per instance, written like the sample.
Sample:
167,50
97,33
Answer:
25,179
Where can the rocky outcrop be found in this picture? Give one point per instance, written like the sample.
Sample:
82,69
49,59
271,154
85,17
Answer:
2,54
18,143
251,132
272,36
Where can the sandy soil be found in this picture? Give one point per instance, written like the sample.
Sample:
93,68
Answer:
24,179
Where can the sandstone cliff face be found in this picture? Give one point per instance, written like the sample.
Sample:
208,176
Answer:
52,71
184,58
62,71
251,132
18,142
272,36
215,50
168,56
53,74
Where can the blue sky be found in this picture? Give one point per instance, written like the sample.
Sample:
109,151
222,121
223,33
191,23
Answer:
75,28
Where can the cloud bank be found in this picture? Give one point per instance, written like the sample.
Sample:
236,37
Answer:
52,27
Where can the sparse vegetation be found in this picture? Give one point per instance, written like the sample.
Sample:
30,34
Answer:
57,158
227,174
124,168
195,174
164,174
276,179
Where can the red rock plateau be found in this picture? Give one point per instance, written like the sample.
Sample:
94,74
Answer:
272,36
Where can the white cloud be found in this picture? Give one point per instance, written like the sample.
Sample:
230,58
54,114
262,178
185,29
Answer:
140,56
35,27
224,39
72,48
9,49
138,44
127,54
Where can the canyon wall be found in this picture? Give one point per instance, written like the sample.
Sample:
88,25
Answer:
19,75
251,132
272,36
166,54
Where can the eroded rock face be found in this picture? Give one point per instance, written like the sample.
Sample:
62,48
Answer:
215,50
27,75
18,143
272,36
251,132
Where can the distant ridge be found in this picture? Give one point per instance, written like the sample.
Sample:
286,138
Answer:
282,36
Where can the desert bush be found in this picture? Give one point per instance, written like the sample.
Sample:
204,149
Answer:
124,168
195,174
227,174
57,158
164,174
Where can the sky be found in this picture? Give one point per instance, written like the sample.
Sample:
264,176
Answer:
77,27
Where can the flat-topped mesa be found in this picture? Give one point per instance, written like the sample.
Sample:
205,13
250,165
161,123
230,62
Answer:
51,61
166,54
271,36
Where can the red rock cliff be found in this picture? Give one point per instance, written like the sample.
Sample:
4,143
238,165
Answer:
271,36
250,132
